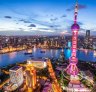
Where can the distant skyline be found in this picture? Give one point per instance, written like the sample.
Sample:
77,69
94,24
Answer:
45,17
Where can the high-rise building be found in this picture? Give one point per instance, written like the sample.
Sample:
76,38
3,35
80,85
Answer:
87,33
69,44
87,40
16,75
94,43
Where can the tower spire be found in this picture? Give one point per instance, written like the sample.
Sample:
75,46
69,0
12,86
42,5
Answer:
72,69
76,12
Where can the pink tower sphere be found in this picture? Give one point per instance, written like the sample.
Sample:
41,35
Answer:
75,27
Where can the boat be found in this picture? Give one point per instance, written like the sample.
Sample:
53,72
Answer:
31,56
42,51
39,57
28,52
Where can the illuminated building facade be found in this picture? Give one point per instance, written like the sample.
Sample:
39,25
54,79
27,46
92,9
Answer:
69,44
31,79
34,79
72,68
16,75
37,63
74,84
87,40
55,86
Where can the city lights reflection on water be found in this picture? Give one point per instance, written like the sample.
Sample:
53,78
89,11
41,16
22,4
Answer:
67,53
15,57
12,55
94,53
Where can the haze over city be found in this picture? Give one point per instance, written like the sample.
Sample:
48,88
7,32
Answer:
45,17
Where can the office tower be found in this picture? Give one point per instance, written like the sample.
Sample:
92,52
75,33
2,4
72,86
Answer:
87,40
16,75
87,33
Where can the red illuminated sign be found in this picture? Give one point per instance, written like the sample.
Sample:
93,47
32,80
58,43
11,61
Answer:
74,45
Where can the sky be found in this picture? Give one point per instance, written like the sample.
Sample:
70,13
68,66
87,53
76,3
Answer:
46,17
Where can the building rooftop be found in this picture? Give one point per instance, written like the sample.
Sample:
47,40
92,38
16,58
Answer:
36,60
15,68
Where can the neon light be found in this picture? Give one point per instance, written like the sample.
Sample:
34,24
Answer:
72,68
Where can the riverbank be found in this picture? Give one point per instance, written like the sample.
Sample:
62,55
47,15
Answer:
11,49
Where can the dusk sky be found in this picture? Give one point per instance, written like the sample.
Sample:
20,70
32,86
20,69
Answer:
45,17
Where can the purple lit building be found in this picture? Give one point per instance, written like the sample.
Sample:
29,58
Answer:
72,68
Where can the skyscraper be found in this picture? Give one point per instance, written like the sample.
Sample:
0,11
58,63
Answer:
16,75
87,33
87,42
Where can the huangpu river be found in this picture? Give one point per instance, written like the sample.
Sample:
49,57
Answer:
19,57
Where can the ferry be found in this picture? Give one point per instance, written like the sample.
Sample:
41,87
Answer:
42,51
28,52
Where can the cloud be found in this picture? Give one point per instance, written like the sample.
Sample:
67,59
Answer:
80,23
82,31
45,23
53,19
69,9
70,22
80,6
8,17
38,22
63,16
44,28
54,26
32,25
25,21
65,32
20,28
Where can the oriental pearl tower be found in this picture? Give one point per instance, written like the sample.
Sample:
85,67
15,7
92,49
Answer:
72,69
74,84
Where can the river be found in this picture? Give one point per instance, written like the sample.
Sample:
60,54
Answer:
16,57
